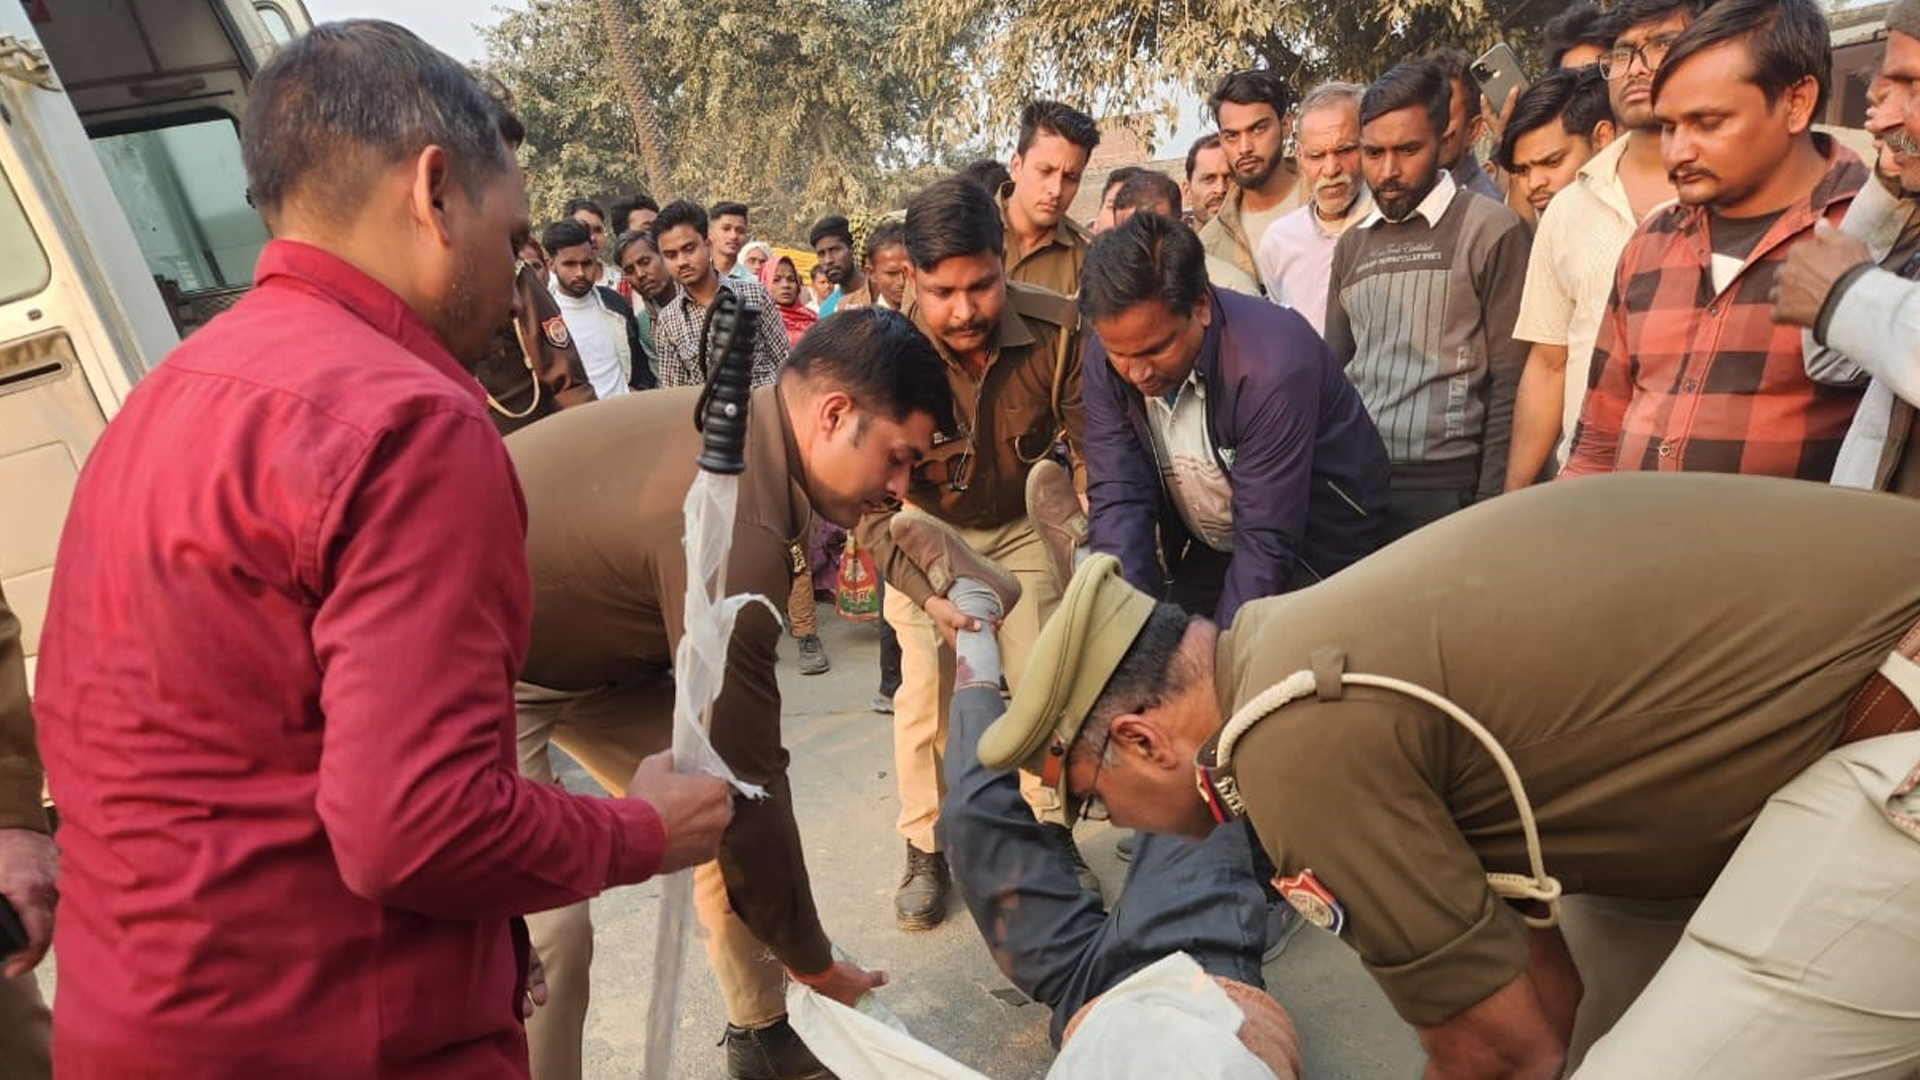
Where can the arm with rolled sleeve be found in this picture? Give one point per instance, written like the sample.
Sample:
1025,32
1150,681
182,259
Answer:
419,563
1503,278
1596,441
1276,424
1123,478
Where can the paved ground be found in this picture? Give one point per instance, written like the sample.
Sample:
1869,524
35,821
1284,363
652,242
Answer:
945,987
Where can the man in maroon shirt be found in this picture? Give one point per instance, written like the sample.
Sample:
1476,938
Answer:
276,688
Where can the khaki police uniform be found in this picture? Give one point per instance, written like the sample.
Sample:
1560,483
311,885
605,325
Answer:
1658,656
1055,262
531,368
609,585
25,1024
975,480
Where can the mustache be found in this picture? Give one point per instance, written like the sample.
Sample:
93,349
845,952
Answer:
1903,143
1680,176
973,326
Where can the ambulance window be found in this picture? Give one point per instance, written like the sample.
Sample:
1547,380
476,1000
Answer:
279,27
184,189
24,270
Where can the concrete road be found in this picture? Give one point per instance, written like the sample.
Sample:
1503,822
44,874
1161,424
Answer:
945,987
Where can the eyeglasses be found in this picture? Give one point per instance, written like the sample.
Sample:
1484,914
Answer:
1617,61
1092,806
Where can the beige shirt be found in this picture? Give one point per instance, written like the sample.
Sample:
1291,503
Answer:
1183,447
1570,276
1657,653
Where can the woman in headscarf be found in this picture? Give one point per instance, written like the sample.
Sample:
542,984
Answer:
783,282
756,255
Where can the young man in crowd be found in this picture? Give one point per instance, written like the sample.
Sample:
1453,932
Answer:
680,235
1297,252
1222,440
1016,387
1465,124
589,213
1147,191
317,866
884,261
1577,37
1103,218
856,406
1723,388
1209,178
1579,237
1252,109
831,239
1854,290
1044,246
1394,824
650,284
727,232
634,213
1554,130
1425,289
598,319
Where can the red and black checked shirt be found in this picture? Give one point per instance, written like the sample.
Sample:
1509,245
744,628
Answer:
1685,379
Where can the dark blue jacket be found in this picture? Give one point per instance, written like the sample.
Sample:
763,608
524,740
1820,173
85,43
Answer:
1308,470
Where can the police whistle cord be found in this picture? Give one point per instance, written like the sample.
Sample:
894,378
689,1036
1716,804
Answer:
1538,886
700,658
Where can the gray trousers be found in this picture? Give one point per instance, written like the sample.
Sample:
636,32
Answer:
1053,939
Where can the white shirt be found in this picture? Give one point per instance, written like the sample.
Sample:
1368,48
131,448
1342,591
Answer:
1432,208
1183,449
592,333
1570,275
1296,256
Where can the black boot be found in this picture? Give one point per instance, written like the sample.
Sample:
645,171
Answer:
774,1052
921,901
1061,838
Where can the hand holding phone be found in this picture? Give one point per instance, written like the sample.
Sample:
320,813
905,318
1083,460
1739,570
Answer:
1499,74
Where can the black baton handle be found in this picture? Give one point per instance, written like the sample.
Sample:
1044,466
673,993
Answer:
721,414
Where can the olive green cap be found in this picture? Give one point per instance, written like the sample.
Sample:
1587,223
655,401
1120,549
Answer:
1073,658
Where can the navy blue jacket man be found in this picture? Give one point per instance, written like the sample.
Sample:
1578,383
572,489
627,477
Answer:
1222,440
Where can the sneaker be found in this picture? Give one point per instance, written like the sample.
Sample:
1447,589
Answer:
882,703
1054,507
921,901
1061,838
813,656
773,1052
944,557
1282,923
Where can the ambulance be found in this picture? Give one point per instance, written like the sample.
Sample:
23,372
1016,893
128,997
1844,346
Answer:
124,225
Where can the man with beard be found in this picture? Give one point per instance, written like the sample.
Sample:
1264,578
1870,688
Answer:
645,275
293,600
1580,236
1251,109
598,319
831,239
1854,290
589,213
680,235
1045,247
1425,289
1690,371
1016,389
1297,252
1209,178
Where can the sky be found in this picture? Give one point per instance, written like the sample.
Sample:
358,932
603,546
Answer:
445,24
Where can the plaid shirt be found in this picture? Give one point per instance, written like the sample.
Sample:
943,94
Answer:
676,336
1686,379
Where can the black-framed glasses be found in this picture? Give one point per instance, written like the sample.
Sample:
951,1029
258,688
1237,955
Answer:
1617,61
1092,806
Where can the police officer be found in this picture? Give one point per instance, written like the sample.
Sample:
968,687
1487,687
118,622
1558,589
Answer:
1615,742
531,369
1012,362
1044,246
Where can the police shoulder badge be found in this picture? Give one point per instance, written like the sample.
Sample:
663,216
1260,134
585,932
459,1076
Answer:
556,331
1312,900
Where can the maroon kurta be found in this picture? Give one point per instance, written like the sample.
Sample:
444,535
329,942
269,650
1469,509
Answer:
276,704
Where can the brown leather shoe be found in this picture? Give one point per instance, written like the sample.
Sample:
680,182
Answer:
773,1052
1055,509
944,557
921,901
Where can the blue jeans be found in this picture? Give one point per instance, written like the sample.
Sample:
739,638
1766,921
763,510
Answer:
1055,940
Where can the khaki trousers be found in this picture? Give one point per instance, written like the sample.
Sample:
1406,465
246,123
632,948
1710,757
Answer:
751,981
25,1027
1801,962
926,678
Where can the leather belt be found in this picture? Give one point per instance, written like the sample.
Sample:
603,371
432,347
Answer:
1879,707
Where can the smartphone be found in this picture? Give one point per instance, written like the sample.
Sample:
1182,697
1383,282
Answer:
1499,73
13,936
